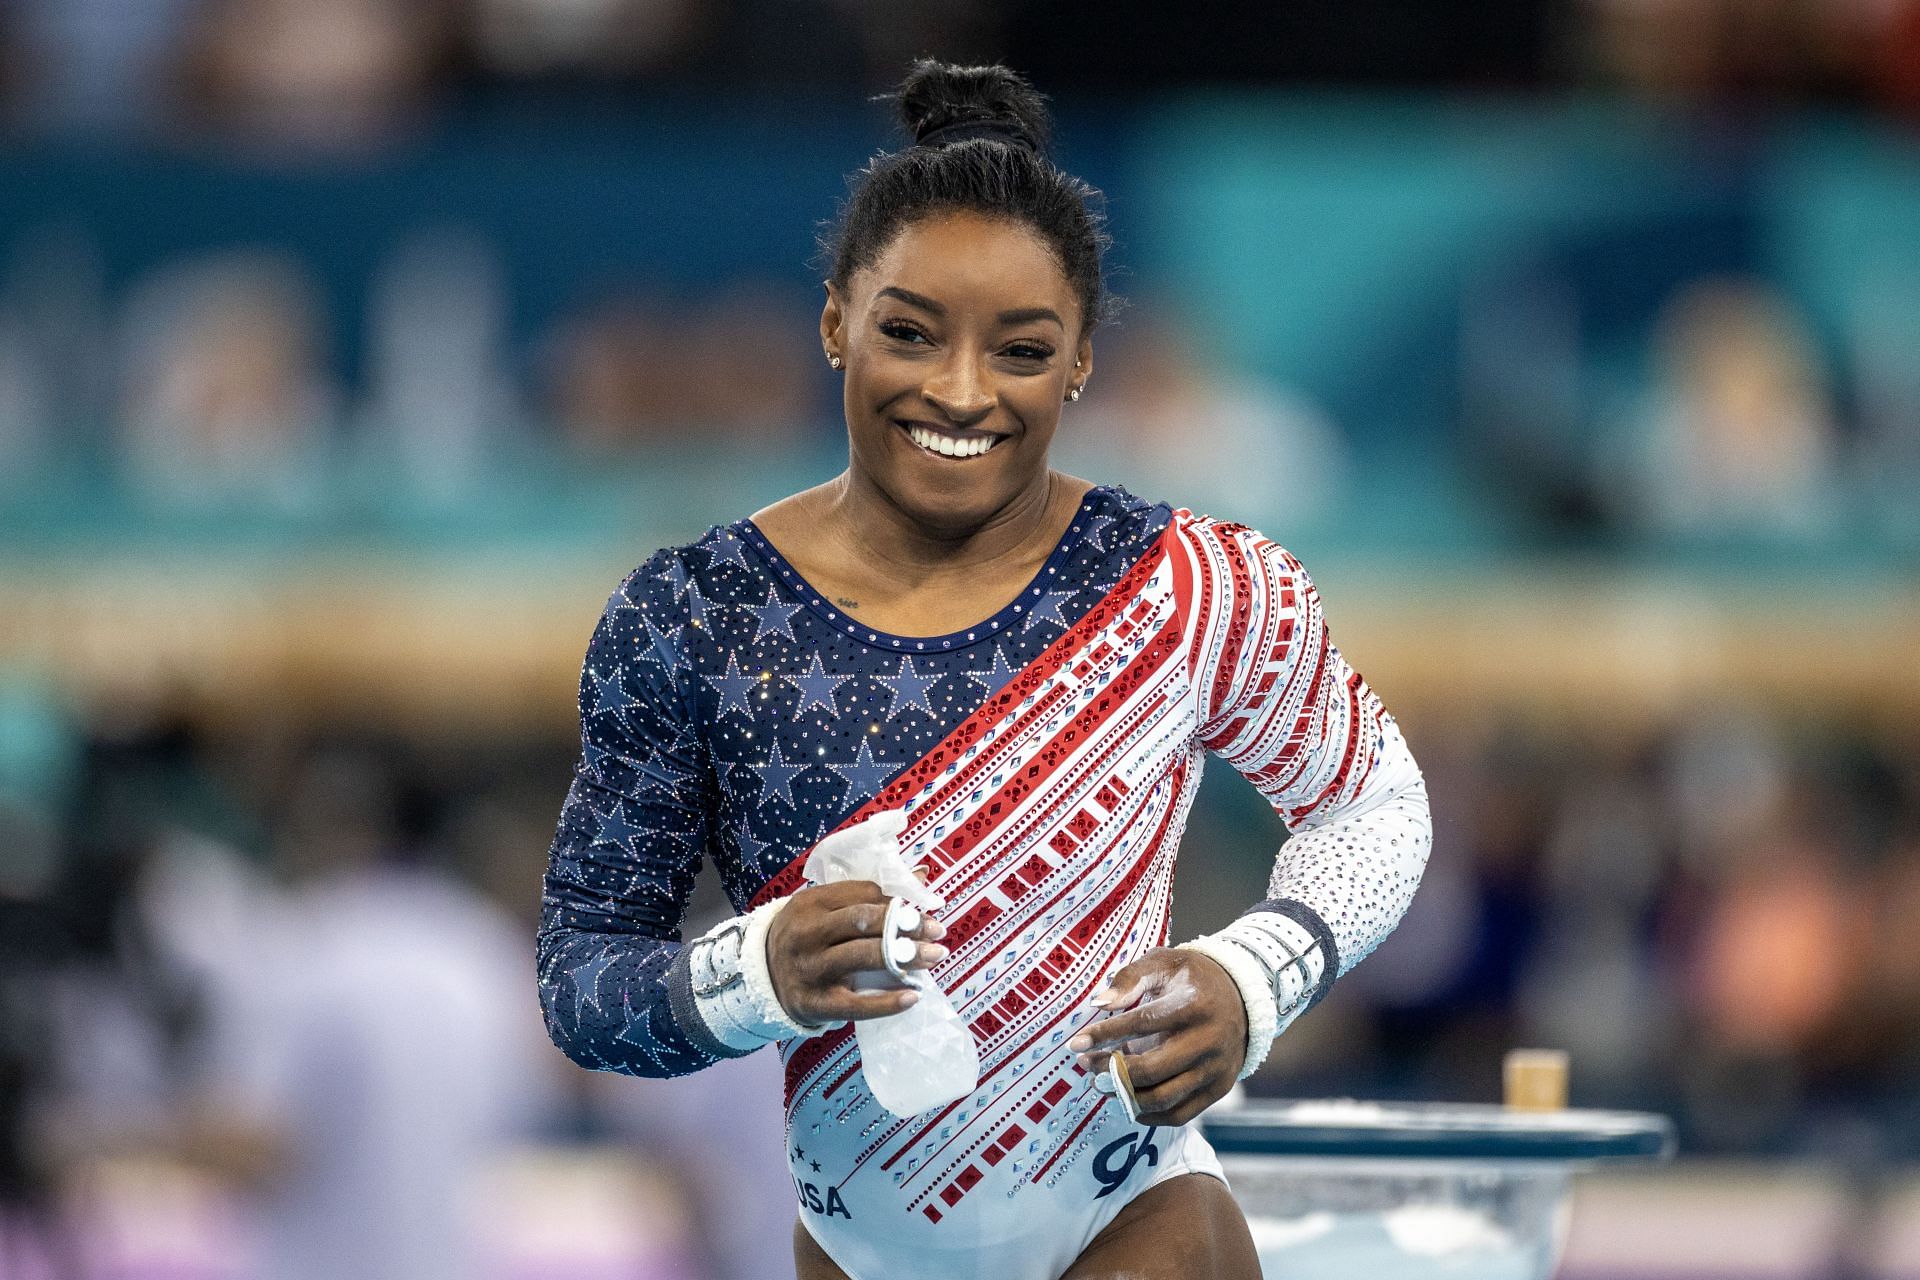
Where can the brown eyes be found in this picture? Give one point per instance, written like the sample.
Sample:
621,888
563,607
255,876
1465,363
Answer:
913,335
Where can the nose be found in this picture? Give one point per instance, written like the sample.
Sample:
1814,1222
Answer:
960,389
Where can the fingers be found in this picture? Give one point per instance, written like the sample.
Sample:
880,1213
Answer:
862,955
1155,1017
911,922
1194,1049
853,909
836,1004
1180,1099
1141,978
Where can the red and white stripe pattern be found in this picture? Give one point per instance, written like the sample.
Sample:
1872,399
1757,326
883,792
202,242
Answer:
1050,820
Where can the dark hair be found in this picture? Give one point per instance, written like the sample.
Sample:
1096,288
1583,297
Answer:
981,137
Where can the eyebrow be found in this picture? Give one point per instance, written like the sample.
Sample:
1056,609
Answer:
1020,315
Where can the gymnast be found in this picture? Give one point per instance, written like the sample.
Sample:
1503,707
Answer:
1014,676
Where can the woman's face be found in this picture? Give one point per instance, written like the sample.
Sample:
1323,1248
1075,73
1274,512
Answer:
960,344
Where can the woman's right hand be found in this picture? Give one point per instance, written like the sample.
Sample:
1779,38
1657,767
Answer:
828,933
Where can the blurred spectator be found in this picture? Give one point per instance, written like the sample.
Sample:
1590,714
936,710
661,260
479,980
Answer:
639,372
382,1055
1164,417
608,375
439,398
1897,54
326,74
89,64
1739,438
536,37
54,363
1779,951
1736,48
1595,985
1884,354
228,402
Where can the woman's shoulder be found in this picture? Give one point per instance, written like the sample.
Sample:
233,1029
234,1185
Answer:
1149,518
1230,542
676,582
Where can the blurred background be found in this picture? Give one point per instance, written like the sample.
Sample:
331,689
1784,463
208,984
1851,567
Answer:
351,350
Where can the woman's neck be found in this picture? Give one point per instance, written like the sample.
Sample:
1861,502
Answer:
869,525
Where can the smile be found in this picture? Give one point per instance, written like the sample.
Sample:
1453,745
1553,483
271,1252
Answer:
950,444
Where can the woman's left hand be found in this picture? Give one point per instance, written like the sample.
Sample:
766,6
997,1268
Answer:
1180,1020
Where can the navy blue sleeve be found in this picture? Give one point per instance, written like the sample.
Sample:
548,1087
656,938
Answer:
631,838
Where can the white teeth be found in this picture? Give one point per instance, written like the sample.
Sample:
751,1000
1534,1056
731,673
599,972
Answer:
947,446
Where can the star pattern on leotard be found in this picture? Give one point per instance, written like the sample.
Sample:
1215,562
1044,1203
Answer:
750,847
1001,673
609,693
909,688
591,756
616,830
728,548
817,688
777,776
696,607
733,688
586,981
641,1033
1048,610
1094,529
677,579
660,648
774,618
728,715
863,773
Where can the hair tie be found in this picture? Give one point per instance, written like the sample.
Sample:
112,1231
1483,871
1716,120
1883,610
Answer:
966,130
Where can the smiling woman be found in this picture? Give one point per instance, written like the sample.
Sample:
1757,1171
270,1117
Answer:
1010,677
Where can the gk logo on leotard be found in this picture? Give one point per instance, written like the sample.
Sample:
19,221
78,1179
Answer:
1124,1150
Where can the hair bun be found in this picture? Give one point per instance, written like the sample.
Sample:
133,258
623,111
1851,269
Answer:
939,97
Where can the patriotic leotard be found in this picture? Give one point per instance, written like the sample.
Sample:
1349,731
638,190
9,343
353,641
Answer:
1046,759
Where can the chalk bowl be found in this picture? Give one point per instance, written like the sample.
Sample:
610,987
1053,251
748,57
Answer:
1412,1191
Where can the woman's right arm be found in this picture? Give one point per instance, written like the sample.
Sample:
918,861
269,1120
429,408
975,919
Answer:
631,837
620,991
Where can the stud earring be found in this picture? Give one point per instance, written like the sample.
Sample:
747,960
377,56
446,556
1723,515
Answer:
833,361
1073,393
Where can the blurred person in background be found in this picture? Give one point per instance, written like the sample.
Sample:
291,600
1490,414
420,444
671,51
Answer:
1739,438
228,403
57,366
1781,948
441,406
324,75
1887,1012
639,373
380,1059
102,1025
633,37
1443,1002
1738,50
1169,413
92,66
609,375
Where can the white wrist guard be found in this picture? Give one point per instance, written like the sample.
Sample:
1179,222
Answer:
1277,964
732,987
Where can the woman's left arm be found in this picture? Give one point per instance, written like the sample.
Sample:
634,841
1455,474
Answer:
1278,702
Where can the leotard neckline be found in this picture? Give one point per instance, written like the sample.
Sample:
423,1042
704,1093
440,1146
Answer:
1005,620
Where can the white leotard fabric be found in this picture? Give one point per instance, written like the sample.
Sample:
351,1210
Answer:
1046,772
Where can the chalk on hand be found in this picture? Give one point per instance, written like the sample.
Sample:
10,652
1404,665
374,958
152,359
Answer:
1123,1085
